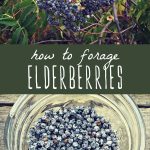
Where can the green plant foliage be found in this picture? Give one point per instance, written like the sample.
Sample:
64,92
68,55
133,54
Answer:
7,20
22,19
141,13
16,35
21,22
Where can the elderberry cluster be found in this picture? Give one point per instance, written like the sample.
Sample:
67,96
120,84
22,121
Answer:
75,128
72,14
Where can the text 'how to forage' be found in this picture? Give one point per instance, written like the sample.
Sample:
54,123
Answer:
77,76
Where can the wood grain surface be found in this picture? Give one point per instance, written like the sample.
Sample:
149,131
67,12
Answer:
142,100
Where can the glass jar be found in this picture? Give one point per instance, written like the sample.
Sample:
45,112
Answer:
120,110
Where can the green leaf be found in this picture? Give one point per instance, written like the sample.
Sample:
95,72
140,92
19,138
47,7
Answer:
5,2
8,21
29,20
139,15
22,4
42,22
27,11
16,35
31,29
25,38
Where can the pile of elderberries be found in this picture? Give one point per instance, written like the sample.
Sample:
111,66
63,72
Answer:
72,14
74,128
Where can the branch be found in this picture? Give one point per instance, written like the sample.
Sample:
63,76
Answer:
92,25
103,31
131,27
117,23
46,41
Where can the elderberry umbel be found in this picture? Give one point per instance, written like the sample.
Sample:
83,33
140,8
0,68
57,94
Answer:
72,14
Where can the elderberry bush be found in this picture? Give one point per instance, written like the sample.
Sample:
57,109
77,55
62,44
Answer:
75,128
72,14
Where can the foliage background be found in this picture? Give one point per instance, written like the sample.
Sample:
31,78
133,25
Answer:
126,22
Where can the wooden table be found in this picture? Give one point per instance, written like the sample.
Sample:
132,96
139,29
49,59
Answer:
142,100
